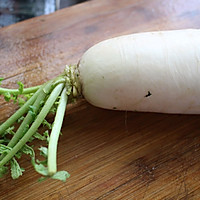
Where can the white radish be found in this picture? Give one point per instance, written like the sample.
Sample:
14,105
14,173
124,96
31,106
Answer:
152,72
149,72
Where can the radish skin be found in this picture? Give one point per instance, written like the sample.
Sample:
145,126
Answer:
149,72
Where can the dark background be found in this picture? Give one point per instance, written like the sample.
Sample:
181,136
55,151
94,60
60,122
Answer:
12,11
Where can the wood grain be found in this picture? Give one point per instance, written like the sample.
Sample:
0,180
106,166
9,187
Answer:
109,154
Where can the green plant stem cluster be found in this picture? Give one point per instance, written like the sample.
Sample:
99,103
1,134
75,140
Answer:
51,96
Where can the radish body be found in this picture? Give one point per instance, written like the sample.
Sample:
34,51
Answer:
150,72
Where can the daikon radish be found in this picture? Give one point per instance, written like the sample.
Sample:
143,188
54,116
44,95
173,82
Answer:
153,71
149,72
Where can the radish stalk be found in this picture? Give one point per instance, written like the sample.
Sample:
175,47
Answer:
18,113
16,91
52,148
29,118
53,96
46,99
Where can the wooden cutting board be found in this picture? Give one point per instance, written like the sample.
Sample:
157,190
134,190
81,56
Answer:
109,154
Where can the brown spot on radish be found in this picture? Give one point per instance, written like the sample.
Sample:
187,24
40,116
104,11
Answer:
148,94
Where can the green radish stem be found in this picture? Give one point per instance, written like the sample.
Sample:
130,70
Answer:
67,88
29,118
52,148
43,113
16,91
19,112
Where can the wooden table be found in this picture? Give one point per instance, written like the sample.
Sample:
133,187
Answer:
109,154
